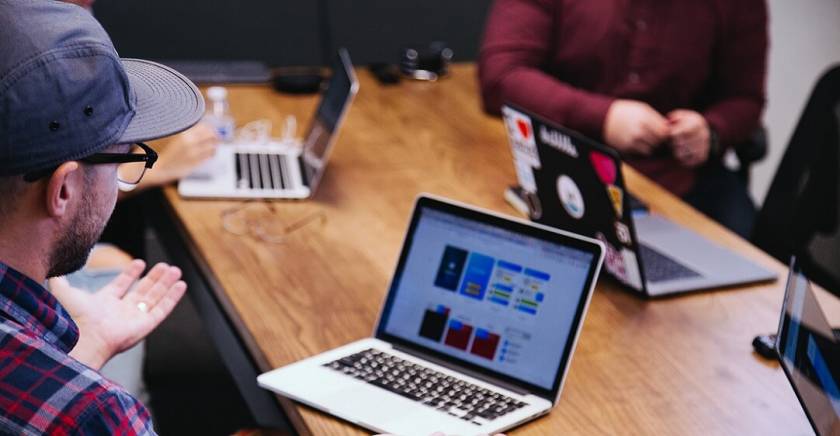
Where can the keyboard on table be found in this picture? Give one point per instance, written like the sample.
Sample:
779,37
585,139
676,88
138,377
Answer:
262,171
446,393
660,267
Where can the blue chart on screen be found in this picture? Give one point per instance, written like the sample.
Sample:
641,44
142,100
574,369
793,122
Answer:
451,266
477,276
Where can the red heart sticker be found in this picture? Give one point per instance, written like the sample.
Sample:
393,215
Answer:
604,166
523,128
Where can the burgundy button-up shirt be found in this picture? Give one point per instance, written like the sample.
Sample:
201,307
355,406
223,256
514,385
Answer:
569,59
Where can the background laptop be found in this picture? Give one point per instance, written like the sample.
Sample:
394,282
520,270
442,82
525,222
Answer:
577,184
280,170
809,353
475,335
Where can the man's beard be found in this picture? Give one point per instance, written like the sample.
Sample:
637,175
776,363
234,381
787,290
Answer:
72,250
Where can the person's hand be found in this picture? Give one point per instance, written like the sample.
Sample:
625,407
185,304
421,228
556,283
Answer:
690,137
634,127
112,319
182,153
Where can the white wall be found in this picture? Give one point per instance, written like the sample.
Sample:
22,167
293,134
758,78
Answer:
804,42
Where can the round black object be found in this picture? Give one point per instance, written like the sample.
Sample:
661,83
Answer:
298,82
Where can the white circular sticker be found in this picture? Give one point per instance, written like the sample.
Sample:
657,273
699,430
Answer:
570,196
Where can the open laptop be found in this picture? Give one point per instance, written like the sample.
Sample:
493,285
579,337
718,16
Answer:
574,183
809,353
280,169
475,335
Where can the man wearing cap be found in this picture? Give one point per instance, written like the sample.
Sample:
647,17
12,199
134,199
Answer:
70,112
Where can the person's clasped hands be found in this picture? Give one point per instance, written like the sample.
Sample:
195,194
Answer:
634,127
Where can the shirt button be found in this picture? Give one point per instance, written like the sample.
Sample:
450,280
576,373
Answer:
634,77
641,25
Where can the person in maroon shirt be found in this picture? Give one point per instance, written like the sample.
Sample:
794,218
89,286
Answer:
670,85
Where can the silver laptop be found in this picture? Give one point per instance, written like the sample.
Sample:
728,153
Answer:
809,352
475,335
574,183
286,169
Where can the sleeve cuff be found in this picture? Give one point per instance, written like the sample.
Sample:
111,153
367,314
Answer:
589,116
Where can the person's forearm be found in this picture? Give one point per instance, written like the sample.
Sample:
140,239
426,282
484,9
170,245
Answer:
558,101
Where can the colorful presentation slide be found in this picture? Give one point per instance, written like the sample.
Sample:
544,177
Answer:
458,335
485,344
434,322
451,266
477,276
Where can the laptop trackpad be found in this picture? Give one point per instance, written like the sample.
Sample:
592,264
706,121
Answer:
375,408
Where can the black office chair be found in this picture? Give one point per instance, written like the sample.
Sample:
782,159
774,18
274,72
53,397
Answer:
800,214
751,151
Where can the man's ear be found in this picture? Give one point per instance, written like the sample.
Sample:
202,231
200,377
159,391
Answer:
65,183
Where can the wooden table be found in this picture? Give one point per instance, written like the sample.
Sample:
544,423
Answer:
675,366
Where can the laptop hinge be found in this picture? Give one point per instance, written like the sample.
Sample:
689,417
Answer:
304,177
461,369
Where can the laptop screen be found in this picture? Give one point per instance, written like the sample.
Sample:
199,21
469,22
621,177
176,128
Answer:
334,103
810,356
492,297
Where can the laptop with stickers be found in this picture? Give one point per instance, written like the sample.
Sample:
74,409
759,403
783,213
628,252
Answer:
574,183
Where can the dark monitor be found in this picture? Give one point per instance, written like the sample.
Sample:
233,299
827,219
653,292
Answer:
277,32
289,32
810,355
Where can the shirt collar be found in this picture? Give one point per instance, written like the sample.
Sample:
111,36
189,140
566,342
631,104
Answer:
36,309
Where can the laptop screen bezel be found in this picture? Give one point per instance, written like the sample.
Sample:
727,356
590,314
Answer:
520,227
346,67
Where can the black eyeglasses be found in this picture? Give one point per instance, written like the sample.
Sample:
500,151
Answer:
132,166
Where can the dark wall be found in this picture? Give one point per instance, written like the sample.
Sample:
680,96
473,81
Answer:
286,32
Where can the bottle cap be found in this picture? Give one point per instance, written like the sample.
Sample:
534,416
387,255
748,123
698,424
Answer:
217,93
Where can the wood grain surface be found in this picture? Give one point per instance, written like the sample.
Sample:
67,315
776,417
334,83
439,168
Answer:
677,366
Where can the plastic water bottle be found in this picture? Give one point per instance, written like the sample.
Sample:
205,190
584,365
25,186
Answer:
218,113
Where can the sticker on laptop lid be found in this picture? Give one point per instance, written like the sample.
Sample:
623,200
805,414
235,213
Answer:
622,232
520,132
559,141
616,195
613,260
604,167
570,197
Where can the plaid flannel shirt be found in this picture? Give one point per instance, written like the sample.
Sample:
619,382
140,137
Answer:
42,389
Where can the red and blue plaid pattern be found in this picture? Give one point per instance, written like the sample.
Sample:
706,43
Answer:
42,389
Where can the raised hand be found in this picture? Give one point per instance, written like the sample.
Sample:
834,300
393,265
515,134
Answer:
112,319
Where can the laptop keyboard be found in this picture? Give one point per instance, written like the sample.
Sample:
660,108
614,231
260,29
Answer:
259,171
434,389
660,267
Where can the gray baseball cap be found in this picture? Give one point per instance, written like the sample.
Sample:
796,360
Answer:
65,93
